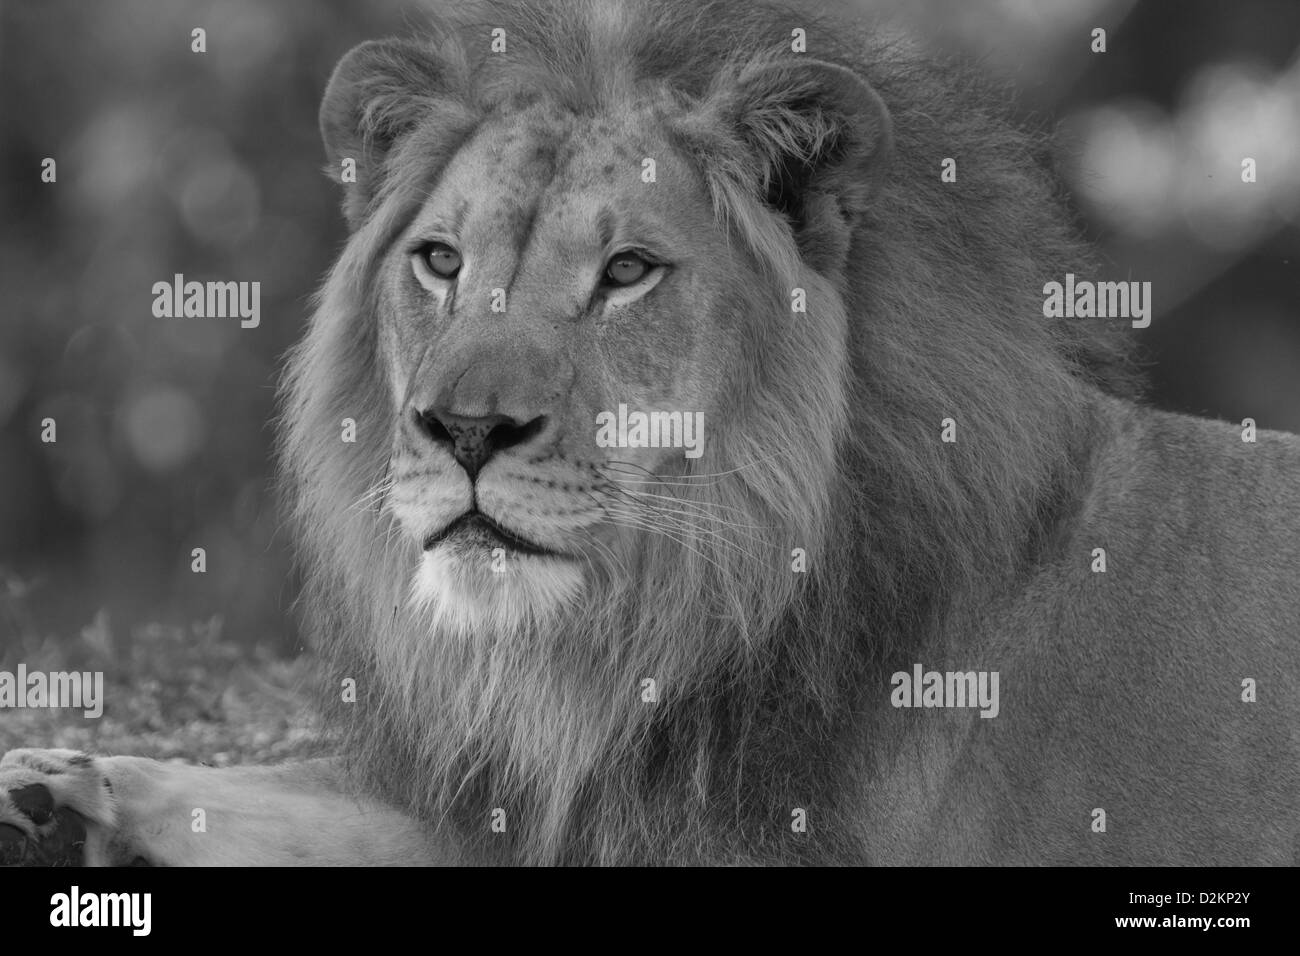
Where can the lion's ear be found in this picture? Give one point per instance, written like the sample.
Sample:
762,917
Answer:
820,138
379,91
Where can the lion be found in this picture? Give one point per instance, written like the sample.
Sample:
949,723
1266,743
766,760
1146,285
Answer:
542,648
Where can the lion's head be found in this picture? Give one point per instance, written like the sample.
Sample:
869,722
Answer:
610,210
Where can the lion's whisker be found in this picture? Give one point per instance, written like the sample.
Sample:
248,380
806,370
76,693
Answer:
689,513
702,508
374,496
714,474
638,524
685,532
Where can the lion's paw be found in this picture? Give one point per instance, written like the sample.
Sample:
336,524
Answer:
50,801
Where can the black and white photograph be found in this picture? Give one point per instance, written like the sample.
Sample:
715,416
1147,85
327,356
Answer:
644,433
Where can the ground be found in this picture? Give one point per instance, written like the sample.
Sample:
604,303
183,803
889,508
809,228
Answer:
169,692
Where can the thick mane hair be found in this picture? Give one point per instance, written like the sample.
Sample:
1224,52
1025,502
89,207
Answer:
767,678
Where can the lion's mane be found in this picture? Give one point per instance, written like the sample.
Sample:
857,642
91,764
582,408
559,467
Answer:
764,673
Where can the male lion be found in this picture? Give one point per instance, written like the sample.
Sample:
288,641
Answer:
570,653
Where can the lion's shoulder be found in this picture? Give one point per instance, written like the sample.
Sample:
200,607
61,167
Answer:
1198,467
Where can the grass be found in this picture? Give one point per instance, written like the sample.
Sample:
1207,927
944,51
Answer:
169,692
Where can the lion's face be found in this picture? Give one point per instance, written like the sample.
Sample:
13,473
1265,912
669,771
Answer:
606,326
561,268
592,333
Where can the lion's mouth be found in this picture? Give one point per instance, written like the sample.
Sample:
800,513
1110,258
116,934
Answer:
476,524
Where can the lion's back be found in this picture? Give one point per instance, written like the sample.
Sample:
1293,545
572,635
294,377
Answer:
1164,689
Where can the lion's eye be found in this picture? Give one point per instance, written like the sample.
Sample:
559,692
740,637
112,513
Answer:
625,269
441,259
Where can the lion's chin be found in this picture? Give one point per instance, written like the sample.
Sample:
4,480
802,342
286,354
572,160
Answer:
473,593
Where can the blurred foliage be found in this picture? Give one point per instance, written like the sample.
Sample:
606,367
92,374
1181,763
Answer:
1155,130
209,165
169,161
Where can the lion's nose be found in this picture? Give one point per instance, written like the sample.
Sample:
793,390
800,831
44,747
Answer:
472,440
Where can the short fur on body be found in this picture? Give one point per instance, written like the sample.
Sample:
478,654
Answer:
1120,690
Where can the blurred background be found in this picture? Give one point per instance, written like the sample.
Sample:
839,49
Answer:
170,161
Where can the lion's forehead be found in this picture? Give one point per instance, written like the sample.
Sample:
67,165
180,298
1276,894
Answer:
550,142
548,168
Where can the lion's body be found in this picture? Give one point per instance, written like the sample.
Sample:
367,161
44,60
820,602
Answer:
1122,690
507,718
